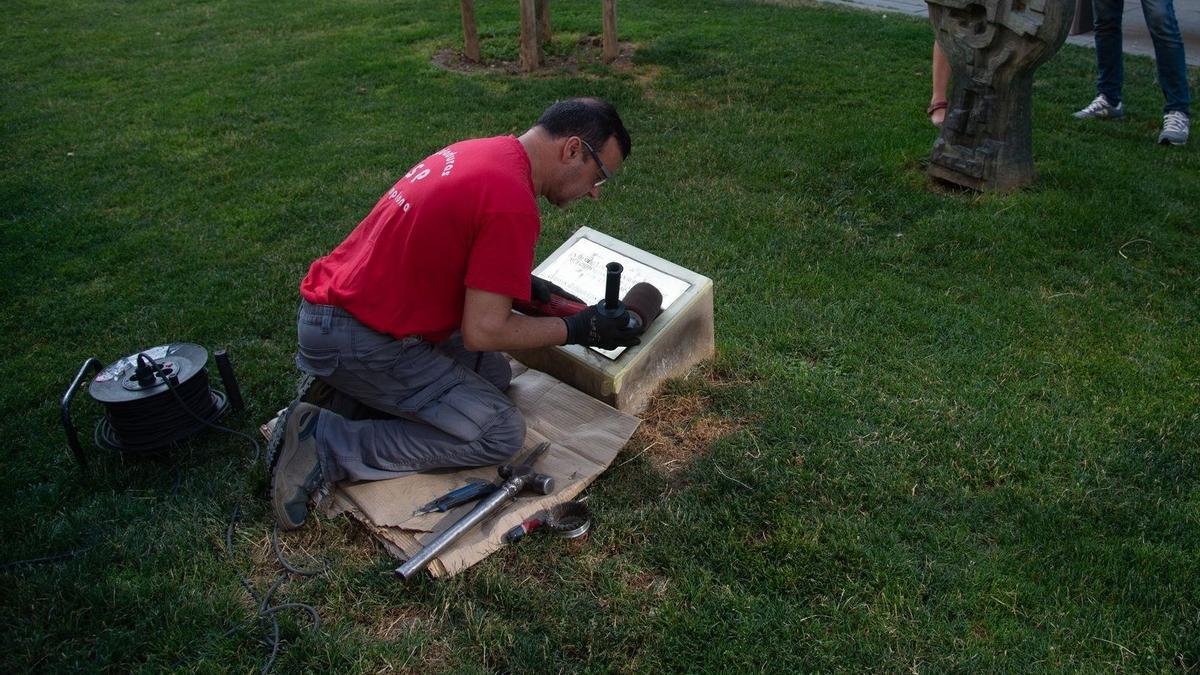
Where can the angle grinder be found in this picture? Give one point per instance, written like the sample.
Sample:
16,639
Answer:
641,305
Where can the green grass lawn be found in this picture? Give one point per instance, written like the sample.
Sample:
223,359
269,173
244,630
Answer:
953,432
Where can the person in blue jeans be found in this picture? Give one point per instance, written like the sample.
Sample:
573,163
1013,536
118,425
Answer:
1168,55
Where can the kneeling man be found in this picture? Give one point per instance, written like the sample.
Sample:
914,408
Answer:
407,315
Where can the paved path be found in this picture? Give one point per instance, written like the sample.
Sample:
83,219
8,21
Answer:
1137,38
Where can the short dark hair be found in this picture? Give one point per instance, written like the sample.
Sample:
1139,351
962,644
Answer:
592,119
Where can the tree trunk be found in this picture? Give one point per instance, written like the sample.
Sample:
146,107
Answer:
470,36
610,30
529,44
543,21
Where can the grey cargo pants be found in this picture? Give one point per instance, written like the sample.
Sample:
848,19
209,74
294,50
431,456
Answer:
448,403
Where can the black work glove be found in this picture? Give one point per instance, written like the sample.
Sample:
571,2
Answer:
591,329
540,290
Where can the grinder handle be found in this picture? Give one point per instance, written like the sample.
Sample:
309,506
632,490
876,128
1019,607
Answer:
612,288
72,437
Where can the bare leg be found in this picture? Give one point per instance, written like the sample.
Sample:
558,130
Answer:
941,80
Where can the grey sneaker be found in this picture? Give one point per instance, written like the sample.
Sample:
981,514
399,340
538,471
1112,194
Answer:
1100,108
295,471
1175,128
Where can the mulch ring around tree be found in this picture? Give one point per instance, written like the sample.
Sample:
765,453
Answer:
588,50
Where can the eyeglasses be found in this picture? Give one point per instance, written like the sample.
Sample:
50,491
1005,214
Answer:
603,169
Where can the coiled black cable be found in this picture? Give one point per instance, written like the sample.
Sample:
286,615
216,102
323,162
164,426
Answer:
159,421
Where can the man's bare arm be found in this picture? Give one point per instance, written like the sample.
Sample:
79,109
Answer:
489,325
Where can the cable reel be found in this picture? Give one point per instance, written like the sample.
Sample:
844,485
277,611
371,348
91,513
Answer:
153,399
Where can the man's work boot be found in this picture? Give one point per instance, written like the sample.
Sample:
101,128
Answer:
309,389
295,471
312,389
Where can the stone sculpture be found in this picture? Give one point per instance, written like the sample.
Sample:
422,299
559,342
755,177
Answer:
994,46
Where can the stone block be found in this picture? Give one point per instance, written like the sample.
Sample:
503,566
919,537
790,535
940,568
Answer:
677,340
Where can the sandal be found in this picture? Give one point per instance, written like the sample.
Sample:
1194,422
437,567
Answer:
934,107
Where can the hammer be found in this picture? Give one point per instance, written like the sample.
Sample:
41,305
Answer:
516,476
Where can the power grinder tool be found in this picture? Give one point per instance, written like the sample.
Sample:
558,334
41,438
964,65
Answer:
641,305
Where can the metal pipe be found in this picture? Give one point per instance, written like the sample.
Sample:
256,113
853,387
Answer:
506,491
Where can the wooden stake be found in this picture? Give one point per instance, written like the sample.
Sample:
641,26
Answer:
610,30
470,36
529,44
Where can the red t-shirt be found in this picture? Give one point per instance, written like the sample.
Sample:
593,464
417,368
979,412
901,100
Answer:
465,216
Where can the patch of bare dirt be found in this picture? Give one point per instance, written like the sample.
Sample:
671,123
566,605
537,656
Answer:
646,76
677,427
429,657
395,623
652,586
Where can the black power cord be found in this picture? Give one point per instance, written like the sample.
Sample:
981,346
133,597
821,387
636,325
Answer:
267,611
183,403
288,566
152,424
57,557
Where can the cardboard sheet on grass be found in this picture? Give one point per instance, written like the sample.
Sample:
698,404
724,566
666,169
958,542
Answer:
584,434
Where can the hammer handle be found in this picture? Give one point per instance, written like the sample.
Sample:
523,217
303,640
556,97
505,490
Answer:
506,491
